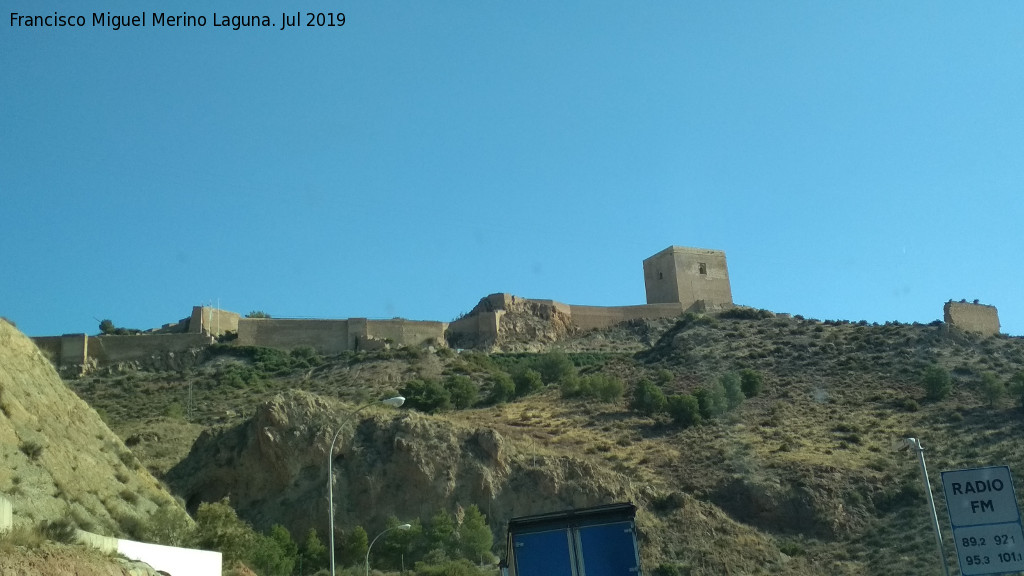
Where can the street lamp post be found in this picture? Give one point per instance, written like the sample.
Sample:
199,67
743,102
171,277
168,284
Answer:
370,547
396,402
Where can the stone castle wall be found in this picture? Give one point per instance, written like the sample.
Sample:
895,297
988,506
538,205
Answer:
332,337
971,317
212,321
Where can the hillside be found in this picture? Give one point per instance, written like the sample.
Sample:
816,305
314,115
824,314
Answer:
809,477
60,459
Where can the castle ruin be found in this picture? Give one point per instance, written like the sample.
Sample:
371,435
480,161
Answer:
971,317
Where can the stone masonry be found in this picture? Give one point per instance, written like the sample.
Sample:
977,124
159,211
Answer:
971,317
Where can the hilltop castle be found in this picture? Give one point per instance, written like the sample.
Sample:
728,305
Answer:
676,279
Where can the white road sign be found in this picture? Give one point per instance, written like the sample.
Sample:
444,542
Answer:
985,519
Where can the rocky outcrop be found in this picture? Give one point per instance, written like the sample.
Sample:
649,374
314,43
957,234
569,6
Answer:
386,463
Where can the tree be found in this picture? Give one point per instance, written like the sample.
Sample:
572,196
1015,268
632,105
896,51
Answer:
461,390
527,382
314,553
170,526
107,327
257,314
218,528
648,399
992,388
554,367
751,382
442,534
606,388
711,400
503,388
937,382
353,547
733,390
274,554
427,396
685,410
475,536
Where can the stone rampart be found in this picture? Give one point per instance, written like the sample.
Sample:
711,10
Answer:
328,337
971,317
592,317
143,348
406,332
336,336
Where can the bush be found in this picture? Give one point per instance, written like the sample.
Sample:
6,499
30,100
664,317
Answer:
503,388
461,390
62,530
992,388
1017,388
554,367
107,326
711,401
684,409
745,313
937,382
170,526
426,396
257,314
647,399
527,382
733,390
31,449
751,382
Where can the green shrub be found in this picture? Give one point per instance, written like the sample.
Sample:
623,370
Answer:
426,396
937,382
503,388
745,313
647,399
711,400
1017,388
274,553
31,449
751,382
684,409
461,391
475,536
314,553
554,367
527,382
62,530
992,388
733,392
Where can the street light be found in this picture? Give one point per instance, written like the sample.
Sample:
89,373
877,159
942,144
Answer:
396,402
370,547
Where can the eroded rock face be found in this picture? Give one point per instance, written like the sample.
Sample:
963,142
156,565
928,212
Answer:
386,463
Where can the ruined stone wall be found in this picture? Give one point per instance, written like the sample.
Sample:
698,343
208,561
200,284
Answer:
328,337
971,317
212,321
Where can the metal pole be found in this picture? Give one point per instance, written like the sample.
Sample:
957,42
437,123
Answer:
915,444
395,402
370,547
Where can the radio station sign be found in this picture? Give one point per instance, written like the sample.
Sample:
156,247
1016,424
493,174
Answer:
986,523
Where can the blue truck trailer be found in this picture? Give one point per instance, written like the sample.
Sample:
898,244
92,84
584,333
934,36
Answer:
598,541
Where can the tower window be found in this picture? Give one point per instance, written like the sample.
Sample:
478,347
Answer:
702,268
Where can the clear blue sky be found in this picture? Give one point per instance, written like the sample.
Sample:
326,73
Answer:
855,160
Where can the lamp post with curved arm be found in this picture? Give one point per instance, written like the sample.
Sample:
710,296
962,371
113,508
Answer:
370,547
396,402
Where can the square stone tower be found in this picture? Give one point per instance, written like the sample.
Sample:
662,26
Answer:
688,276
